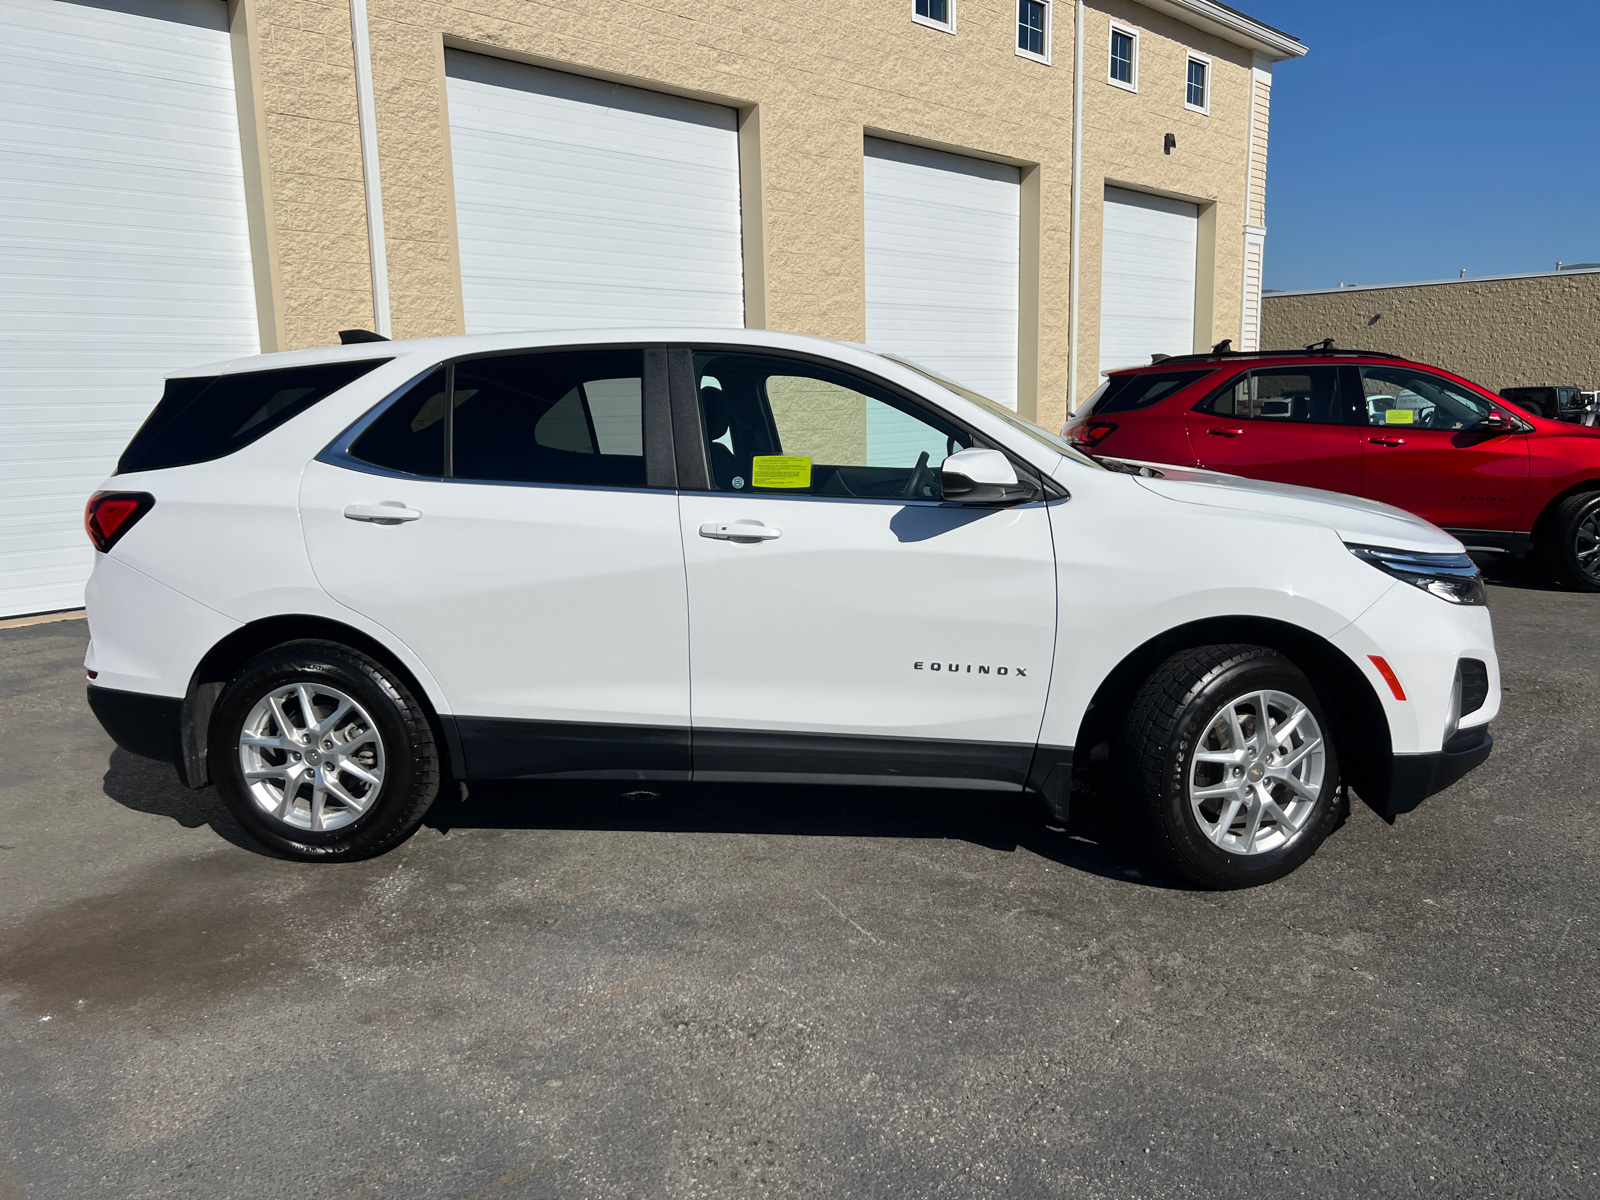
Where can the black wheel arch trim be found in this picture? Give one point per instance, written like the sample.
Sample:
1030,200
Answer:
1353,706
223,661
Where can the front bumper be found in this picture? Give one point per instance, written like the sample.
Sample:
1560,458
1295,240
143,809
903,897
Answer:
148,726
1415,777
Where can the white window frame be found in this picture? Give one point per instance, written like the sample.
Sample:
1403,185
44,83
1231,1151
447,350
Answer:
1133,85
1049,25
1205,61
941,26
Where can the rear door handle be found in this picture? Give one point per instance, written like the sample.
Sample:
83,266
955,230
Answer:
1224,432
1387,441
388,512
739,531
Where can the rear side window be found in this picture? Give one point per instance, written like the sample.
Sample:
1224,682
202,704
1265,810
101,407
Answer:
409,435
1128,392
1309,395
202,419
573,417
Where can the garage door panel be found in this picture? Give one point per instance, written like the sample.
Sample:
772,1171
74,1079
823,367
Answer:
122,211
580,202
943,263
1147,278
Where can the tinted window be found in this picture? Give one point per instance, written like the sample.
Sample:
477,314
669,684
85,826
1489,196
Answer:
1401,396
1128,392
199,420
562,417
780,425
409,435
1308,395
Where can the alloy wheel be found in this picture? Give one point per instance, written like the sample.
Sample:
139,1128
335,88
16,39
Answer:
311,757
1586,544
1258,772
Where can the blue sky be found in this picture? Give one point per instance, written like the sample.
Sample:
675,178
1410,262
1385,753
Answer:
1423,136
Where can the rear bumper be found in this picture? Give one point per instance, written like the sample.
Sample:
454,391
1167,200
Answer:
1415,777
144,725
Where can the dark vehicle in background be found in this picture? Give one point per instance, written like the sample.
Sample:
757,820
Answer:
1497,474
1554,403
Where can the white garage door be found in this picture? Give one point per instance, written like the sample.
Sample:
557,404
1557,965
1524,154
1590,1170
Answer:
124,254
582,203
1146,278
943,263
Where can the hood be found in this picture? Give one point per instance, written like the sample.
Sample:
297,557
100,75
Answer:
1365,522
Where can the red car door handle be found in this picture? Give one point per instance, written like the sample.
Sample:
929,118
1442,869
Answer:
1225,432
1387,441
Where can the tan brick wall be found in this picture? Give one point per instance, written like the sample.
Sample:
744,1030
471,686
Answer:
820,75
1123,136
1500,333
313,152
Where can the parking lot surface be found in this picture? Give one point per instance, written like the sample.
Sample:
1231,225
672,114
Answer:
742,991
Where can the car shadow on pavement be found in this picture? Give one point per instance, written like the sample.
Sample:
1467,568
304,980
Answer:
1007,822
147,786
998,821
1527,574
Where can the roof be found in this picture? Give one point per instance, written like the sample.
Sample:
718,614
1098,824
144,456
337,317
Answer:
1234,26
1380,287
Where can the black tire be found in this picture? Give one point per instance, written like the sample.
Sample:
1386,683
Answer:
1163,730
410,774
1564,536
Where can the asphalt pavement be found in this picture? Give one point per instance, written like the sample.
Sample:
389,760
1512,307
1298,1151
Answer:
566,991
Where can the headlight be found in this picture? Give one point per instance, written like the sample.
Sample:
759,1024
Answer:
1452,577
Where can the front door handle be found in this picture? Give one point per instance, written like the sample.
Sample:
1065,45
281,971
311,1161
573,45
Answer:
388,512
1387,441
1231,432
739,531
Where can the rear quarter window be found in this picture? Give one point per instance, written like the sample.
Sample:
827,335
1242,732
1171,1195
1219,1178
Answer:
209,417
1129,392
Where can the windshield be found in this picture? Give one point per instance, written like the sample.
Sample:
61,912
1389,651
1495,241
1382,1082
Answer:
1041,436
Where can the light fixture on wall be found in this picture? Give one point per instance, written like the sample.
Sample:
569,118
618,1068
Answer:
1170,143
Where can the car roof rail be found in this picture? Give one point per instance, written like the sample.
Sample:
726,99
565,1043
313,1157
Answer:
1222,351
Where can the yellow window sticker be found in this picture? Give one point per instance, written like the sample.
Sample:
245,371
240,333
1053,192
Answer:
1400,416
780,471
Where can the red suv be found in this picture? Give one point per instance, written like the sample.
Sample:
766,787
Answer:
1372,425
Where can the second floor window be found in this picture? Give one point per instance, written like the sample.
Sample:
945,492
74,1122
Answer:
1199,85
1124,52
1033,28
935,12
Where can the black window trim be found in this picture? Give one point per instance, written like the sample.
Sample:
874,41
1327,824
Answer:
674,438
660,470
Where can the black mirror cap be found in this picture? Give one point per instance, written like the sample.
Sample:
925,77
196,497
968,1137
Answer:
963,489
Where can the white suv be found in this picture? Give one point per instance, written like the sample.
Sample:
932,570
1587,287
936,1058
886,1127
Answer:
333,580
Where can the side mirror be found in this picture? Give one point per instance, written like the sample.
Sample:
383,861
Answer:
1496,422
982,477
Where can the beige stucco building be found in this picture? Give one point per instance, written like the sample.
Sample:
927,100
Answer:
1539,330
1016,192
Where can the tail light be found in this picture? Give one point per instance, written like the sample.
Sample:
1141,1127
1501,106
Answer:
109,515
1091,433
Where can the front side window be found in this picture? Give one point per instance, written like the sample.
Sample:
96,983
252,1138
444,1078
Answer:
1033,28
782,426
1199,91
935,12
1400,396
1124,57
1298,395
